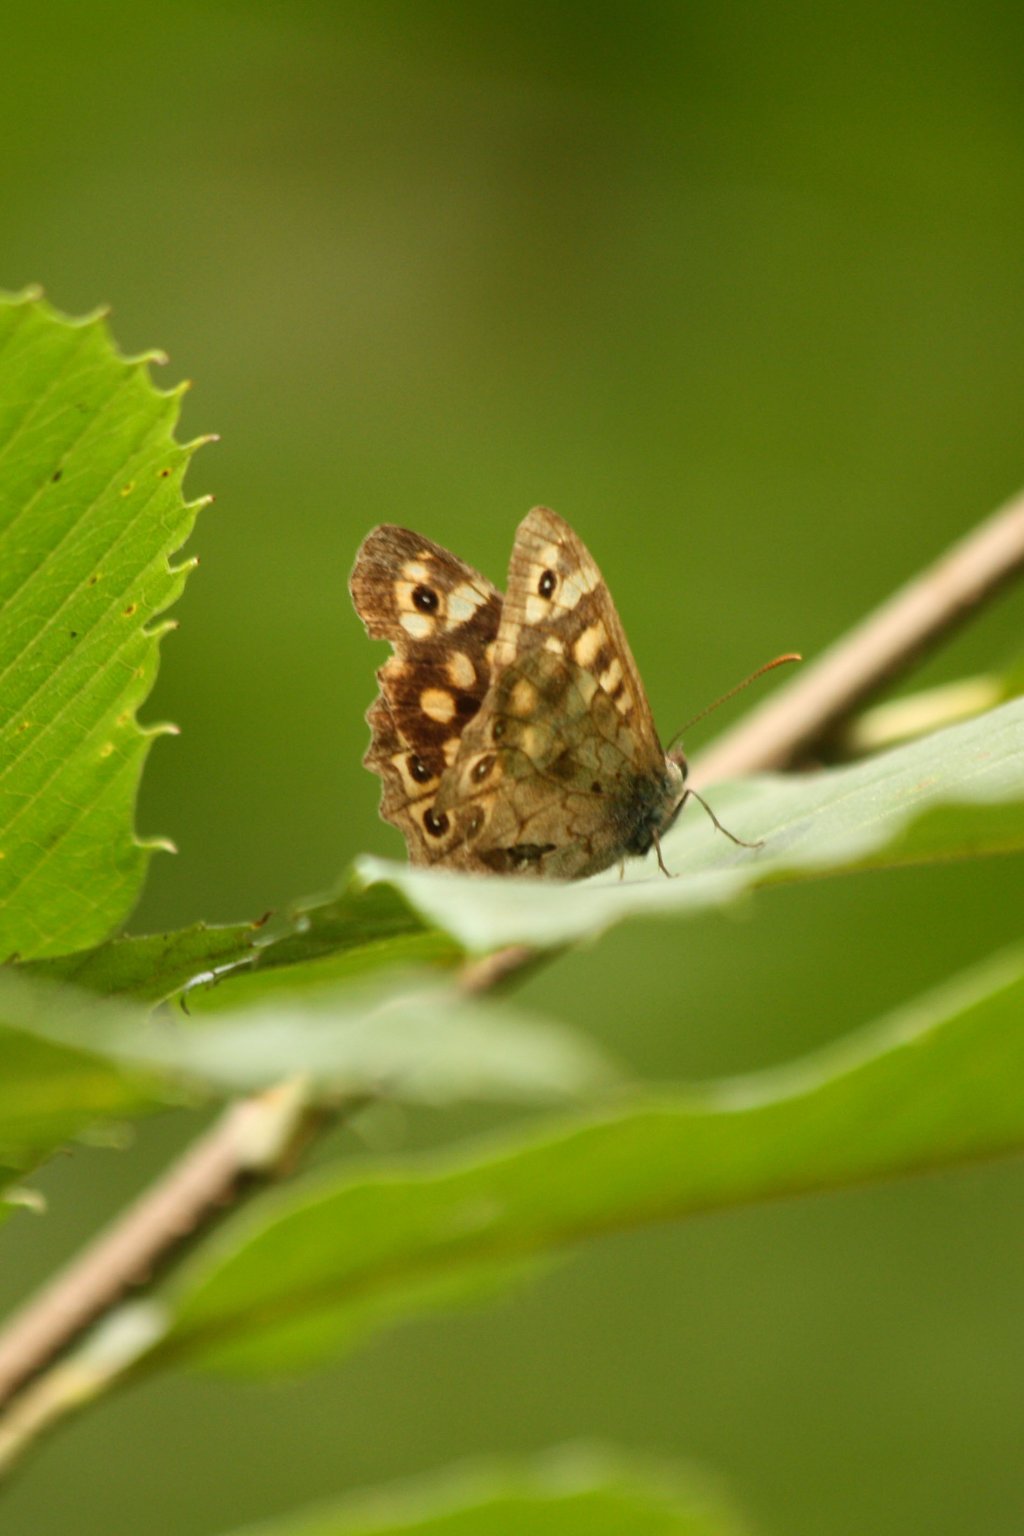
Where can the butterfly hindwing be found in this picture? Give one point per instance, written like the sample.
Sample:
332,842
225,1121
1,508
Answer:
441,616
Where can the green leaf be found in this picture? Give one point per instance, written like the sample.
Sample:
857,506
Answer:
929,710
90,513
69,1058
342,936
956,794
413,1039
153,967
571,1492
313,1269
50,1094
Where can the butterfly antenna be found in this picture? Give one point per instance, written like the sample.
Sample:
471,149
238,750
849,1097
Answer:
769,666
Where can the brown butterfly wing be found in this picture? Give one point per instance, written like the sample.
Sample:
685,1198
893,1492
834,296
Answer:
441,616
558,600
561,772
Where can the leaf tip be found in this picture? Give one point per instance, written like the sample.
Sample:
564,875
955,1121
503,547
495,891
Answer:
27,1199
156,844
164,626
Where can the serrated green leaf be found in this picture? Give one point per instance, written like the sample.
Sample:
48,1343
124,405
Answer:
956,794
90,513
311,1270
570,1492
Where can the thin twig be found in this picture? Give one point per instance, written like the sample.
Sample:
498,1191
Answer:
251,1138
488,973
806,711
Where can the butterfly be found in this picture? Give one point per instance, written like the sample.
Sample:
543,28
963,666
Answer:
512,734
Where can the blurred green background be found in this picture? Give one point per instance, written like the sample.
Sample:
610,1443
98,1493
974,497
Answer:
737,288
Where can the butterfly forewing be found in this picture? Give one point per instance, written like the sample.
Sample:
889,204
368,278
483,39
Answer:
547,775
558,599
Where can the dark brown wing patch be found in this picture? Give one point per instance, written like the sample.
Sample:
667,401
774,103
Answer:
440,615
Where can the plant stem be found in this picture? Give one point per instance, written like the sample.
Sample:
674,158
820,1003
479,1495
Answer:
251,1139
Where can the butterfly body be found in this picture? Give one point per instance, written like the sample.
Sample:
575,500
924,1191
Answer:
512,735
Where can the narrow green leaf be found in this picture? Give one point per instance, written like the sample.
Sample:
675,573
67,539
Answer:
412,1039
571,1492
345,935
310,1270
153,967
90,513
956,794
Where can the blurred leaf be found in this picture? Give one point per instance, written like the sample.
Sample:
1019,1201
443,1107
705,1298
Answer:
90,513
956,794
572,1492
50,1093
928,710
306,1271
413,1039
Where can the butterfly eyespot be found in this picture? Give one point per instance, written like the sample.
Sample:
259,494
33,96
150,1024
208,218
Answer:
418,770
437,826
595,788
547,583
481,769
425,599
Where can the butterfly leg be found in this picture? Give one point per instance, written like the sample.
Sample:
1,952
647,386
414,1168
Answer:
661,861
622,869
739,841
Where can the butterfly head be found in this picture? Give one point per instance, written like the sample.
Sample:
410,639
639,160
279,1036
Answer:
676,770
650,805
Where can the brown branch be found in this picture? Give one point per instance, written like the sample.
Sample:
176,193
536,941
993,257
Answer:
489,972
807,710
252,1138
